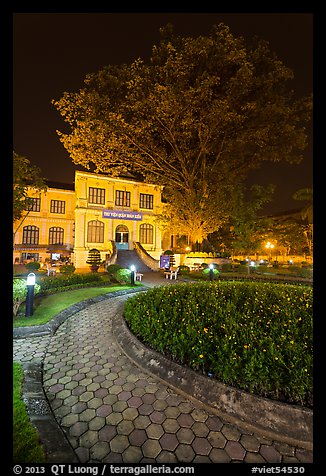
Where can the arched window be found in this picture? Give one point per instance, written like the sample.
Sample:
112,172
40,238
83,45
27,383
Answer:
95,231
56,235
30,235
146,233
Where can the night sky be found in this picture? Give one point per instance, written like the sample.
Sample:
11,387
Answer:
53,52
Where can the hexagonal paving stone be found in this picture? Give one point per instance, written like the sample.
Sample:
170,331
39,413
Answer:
124,395
200,429
218,455
125,427
119,406
185,453
87,415
151,448
95,403
166,457
69,420
199,415
170,425
231,433
99,450
135,402
78,429
217,439
154,431
169,442
142,422
107,433
130,414
270,454
201,446
235,450
185,435
172,412
89,438
114,418
185,420
157,417
96,423
137,437
119,443
132,454
250,443
145,409
104,410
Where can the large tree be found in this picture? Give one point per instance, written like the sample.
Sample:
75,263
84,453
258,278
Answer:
25,177
196,119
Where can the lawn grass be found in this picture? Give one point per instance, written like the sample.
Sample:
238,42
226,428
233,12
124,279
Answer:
26,444
45,308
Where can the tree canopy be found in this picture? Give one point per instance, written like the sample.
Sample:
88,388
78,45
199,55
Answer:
25,176
196,119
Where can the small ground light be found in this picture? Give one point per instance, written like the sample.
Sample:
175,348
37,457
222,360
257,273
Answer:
30,294
133,272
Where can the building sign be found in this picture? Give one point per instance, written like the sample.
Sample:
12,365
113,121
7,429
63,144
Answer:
121,215
164,261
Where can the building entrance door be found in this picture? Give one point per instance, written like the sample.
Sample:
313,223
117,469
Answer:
122,237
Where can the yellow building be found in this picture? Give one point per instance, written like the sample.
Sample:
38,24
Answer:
47,230
97,212
115,210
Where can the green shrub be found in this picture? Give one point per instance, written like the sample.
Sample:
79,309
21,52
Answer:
226,267
112,269
206,273
26,443
183,269
33,265
62,280
255,336
20,292
123,275
67,269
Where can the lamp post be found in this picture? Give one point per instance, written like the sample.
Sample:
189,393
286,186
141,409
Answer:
30,294
133,271
269,246
211,272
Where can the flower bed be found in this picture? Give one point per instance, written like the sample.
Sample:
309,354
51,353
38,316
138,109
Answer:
254,336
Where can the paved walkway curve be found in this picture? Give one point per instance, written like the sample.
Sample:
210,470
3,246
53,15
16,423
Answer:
112,411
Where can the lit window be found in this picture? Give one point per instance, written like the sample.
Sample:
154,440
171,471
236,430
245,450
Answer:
57,206
34,204
122,198
95,231
30,235
146,233
96,195
56,236
146,201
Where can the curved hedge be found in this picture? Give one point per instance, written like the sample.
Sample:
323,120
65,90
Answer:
254,336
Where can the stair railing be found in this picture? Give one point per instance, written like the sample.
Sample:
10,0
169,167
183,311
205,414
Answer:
113,257
151,262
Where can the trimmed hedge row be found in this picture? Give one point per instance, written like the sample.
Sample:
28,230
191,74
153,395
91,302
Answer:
63,280
254,336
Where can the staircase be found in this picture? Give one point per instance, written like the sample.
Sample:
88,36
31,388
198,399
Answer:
126,258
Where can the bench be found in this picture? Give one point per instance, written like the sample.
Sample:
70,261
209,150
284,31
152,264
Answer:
139,276
171,273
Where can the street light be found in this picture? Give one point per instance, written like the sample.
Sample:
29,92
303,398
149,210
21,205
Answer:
269,246
211,272
133,271
30,294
